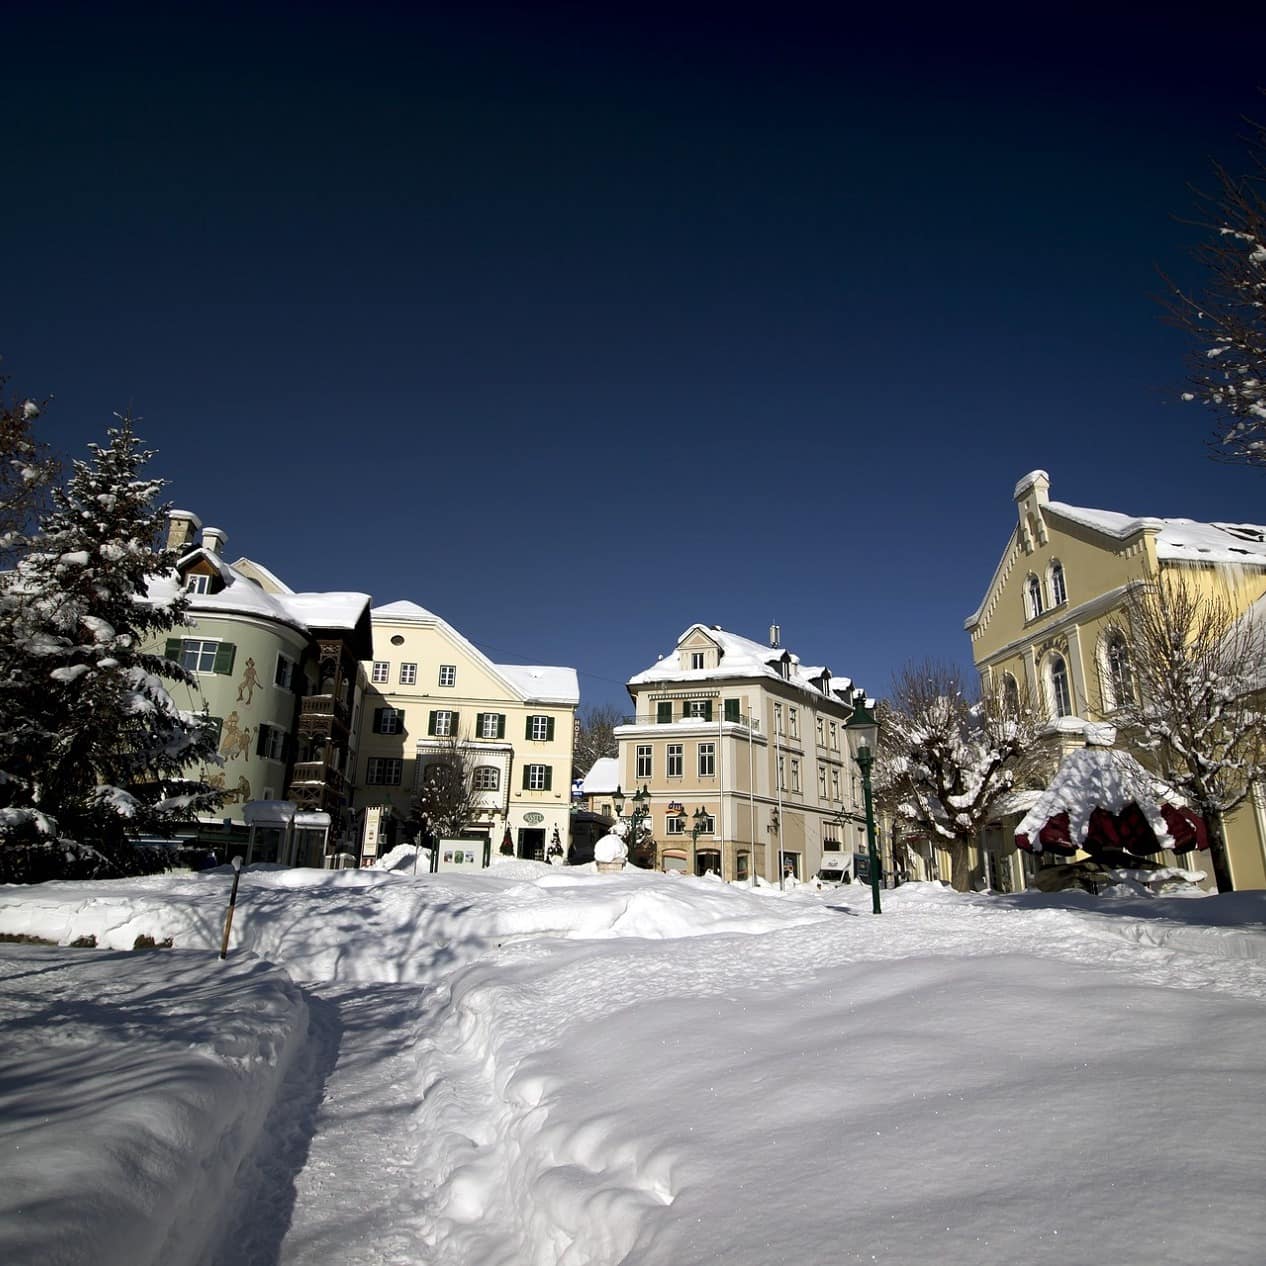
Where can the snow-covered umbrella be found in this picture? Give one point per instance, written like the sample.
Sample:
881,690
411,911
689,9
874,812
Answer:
1102,800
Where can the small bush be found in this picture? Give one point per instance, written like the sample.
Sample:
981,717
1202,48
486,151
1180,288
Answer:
84,942
148,942
23,938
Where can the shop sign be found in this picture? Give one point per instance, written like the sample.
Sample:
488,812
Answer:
533,818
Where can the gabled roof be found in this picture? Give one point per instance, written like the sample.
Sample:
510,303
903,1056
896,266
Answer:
602,778
533,683
740,657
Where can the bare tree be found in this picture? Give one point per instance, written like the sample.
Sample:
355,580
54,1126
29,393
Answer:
595,736
1227,318
946,758
1196,700
27,472
446,800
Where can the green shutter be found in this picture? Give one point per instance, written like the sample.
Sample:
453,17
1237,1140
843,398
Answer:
224,654
527,727
526,768
549,777
173,648
501,725
452,725
707,709
732,710
479,723
549,729
260,734
378,715
430,724
664,712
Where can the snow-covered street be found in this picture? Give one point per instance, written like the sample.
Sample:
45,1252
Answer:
546,1067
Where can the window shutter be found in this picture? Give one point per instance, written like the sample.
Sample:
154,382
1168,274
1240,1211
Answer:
173,648
707,709
527,728
526,772
430,724
261,735
378,722
224,654
549,777
479,723
549,729
453,718
731,709
664,712
501,725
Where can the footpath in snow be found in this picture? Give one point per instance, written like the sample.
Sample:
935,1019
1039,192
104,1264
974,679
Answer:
534,1067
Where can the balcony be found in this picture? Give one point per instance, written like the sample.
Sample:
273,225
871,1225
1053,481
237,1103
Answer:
320,714
313,774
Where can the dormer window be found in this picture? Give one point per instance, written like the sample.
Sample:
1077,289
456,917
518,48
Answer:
696,659
199,582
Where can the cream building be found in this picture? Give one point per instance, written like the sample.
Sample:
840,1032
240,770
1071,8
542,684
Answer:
1053,623
745,755
428,684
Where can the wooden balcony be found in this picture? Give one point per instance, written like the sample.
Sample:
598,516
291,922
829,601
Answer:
322,716
313,774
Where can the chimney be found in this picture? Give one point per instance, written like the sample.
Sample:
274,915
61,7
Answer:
214,539
182,526
775,637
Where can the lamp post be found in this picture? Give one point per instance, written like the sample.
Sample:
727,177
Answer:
864,729
699,818
641,811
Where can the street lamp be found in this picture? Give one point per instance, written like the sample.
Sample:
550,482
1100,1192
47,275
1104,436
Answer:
641,811
864,731
699,817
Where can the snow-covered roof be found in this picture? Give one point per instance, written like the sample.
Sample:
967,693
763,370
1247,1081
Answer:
536,683
257,571
1176,539
1098,778
603,778
740,657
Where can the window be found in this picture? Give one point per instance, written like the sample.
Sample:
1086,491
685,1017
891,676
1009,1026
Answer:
732,710
271,743
835,784
793,722
643,766
408,674
835,737
664,712
821,732
388,720
782,772
1058,591
1120,676
490,725
537,777
707,825
707,760
284,674
742,866
201,656
443,724
486,778
821,782
778,718
795,774
1033,597
198,584
540,729
674,826
380,671
383,771
675,760
448,674
696,659
1010,694
699,709
1057,679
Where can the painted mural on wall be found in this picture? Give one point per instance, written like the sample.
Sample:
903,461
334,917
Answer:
232,795
250,682
235,741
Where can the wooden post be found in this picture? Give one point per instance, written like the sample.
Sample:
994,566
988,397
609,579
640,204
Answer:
228,921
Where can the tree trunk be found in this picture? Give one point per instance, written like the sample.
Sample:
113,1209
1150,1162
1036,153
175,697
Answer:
1217,851
960,870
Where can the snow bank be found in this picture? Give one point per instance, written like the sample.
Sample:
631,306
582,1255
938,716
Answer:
131,1088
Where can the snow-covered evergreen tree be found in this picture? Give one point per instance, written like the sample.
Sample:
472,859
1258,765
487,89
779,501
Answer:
92,745
1196,701
945,760
26,472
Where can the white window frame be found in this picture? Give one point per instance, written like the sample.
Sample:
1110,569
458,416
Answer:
443,723
408,673
380,674
448,675
1057,583
199,582
793,721
674,825
378,765
696,659
536,777
778,718
540,728
707,760
795,774
697,709
392,721
675,760
274,744
204,649
821,782
491,722
835,736
284,672
486,778
644,761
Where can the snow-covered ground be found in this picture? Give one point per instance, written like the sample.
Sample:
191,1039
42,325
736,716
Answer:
538,1066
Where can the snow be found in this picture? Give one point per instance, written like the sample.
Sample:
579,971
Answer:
536,1066
602,778
1177,539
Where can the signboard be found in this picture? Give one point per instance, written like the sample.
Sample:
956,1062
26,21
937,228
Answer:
373,832
861,867
461,855
532,819
675,806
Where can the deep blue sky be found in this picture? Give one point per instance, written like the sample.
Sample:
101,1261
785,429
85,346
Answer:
579,323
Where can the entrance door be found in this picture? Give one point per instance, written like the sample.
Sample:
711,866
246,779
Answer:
532,843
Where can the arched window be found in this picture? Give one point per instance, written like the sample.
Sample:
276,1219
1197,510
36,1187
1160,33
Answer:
1118,676
1061,699
1033,597
487,778
1057,588
1010,694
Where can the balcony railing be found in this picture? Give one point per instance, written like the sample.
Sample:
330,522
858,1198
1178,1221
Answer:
317,771
653,718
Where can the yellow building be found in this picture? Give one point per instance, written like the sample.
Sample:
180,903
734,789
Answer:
745,754
1052,622
426,685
